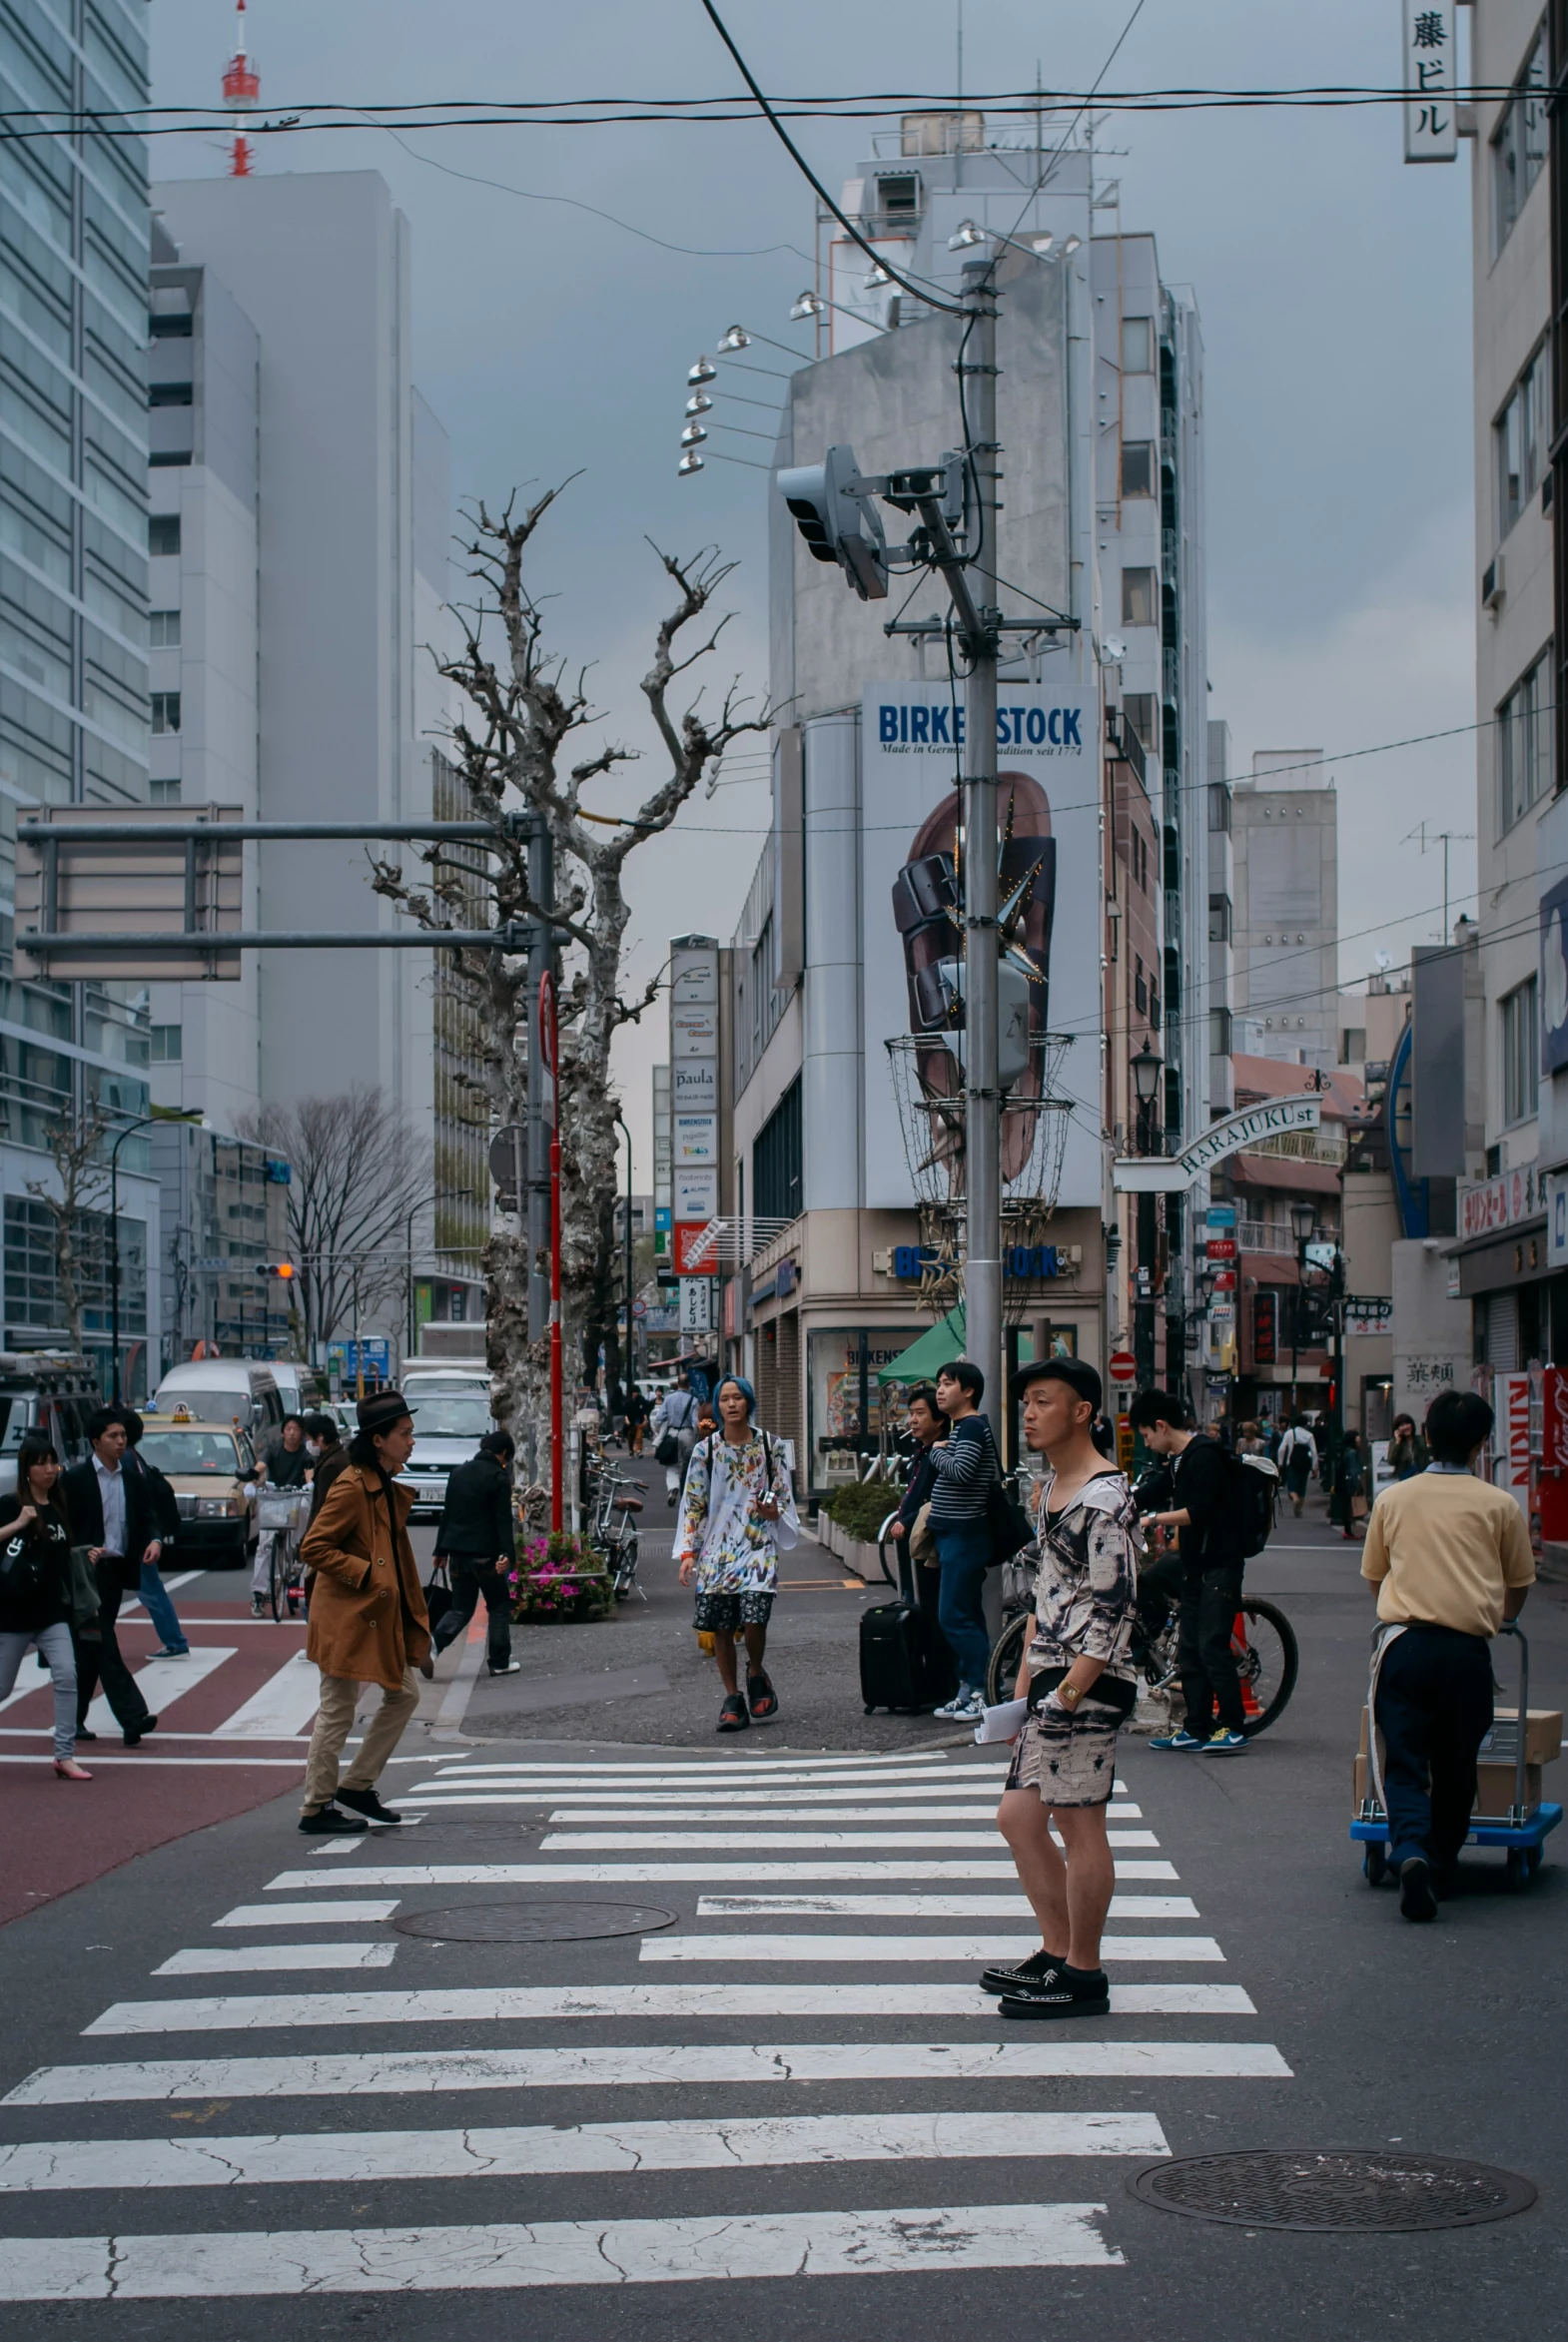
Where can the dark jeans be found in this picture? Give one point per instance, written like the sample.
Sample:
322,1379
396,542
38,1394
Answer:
1209,1601
101,1661
964,1551
1161,1584
471,1578
1434,1708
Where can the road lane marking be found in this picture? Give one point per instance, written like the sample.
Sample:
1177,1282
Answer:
505,2258
744,1843
862,1950
527,2150
670,1874
733,1808
927,1907
217,1959
661,1799
486,2005
419,2072
305,1915
163,1681
281,1708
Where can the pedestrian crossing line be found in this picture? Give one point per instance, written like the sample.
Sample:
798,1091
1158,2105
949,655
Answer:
487,2005
215,1959
727,2064
305,1915
926,1906
668,1873
716,1768
163,1681
282,1708
529,2150
744,1845
655,1801
868,1816
508,2257
863,1949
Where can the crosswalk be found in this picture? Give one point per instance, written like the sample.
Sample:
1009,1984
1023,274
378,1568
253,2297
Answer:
807,2020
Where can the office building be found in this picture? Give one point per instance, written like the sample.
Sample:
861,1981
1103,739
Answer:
846,1175
302,530
73,619
1285,846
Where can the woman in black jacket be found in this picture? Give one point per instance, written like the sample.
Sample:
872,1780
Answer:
36,1599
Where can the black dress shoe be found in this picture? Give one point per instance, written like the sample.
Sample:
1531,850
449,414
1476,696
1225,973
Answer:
327,1822
365,1801
82,1733
133,1739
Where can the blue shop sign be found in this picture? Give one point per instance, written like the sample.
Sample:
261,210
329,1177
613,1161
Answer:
1019,1261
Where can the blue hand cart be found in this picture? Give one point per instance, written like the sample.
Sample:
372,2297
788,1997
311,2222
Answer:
1522,1831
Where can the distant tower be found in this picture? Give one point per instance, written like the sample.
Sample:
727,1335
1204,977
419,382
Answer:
242,88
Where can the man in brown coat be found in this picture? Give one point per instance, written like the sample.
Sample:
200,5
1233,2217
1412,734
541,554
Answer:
367,1619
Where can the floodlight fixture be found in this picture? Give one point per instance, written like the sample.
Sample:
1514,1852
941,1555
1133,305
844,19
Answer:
691,462
964,237
703,372
736,338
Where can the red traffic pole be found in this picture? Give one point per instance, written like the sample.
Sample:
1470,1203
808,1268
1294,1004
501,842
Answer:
549,1038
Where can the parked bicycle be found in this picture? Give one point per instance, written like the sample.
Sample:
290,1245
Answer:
1263,1642
612,1526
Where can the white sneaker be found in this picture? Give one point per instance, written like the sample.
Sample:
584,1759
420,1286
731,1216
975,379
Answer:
966,1707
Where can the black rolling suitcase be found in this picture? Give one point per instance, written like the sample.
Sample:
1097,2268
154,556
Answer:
905,1662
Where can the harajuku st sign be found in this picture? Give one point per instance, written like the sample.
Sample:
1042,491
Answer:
1162,1174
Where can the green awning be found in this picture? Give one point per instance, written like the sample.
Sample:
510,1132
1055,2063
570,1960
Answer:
932,1350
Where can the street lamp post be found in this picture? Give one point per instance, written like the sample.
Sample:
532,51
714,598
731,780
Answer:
1302,1216
1146,1068
141,1123
626,1361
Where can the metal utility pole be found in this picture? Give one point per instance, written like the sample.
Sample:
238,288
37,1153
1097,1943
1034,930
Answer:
534,1197
977,370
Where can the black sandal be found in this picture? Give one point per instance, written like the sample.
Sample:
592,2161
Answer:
733,1716
762,1698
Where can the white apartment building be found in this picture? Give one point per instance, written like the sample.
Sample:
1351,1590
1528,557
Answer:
301,539
1285,918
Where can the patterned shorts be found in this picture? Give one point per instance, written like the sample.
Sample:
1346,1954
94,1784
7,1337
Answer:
719,1613
1071,1759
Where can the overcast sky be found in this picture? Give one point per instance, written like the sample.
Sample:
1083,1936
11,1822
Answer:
1332,281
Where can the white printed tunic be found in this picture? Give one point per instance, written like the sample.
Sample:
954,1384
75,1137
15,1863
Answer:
720,1529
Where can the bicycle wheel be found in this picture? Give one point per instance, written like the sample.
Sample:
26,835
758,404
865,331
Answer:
1264,1644
278,1576
625,1570
1007,1657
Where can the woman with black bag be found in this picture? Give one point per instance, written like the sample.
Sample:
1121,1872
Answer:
40,1598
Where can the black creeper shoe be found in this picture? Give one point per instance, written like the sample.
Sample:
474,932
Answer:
365,1801
1028,1972
1067,1991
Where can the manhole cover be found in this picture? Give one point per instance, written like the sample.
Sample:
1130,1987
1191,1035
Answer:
1333,2190
533,1922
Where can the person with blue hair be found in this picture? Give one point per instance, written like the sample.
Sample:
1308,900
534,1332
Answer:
737,1513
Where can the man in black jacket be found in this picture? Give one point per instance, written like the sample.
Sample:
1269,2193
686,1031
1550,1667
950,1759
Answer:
162,1514
1213,1556
108,1515
928,1426
477,1542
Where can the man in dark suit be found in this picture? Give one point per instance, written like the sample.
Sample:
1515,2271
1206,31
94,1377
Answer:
478,1540
108,1515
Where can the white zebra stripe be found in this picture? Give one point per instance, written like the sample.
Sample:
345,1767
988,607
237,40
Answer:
869,1950
218,1959
791,1841
305,1915
924,1907
505,2258
671,1873
419,2072
356,2156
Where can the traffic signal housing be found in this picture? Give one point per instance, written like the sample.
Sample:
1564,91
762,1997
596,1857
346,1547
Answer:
837,525
281,1269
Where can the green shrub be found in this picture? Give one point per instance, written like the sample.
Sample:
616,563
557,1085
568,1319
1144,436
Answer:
861,1510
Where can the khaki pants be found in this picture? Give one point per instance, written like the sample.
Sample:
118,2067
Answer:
333,1722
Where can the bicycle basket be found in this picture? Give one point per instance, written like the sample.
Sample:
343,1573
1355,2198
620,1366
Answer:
275,1508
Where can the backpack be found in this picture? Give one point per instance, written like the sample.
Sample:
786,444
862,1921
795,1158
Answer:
1254,1483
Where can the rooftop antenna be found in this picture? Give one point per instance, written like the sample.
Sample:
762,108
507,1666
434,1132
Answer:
958,133
242,88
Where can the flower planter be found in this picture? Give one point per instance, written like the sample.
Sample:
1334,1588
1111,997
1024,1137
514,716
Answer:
560,1578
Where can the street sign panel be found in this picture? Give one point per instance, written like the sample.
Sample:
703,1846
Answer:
696,1305
693,1256
1367,1313
1122,1367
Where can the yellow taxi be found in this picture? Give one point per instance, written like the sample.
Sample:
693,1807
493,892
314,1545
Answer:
210,1467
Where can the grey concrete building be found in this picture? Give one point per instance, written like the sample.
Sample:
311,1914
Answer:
301,499
1285,842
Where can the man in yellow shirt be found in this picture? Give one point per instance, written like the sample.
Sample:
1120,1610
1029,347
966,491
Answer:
1451,1557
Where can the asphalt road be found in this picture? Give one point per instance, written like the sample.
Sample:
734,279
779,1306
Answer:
834,2200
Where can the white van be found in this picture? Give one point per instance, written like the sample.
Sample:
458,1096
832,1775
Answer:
223,1390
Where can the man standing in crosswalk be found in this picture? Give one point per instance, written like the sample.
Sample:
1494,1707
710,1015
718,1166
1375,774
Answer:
1079,1679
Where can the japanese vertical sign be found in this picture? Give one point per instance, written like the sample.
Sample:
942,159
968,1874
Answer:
1431,80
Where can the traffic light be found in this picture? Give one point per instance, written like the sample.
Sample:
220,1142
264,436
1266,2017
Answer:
282,1268
836,525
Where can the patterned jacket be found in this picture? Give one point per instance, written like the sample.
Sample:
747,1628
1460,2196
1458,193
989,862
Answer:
1085,1587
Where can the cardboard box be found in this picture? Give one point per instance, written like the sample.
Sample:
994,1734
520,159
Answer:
1494,1787
1543,1736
